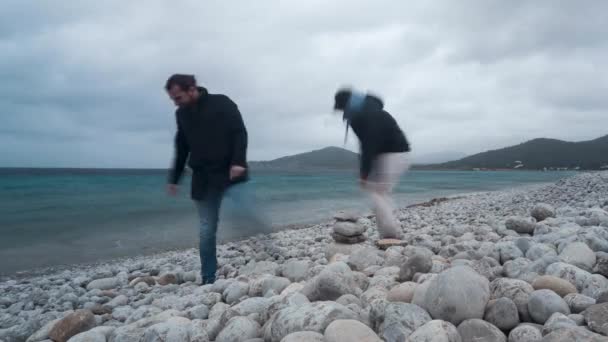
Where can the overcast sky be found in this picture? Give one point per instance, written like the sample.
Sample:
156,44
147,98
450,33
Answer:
81,83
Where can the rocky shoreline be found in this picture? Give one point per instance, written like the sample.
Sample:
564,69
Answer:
527,264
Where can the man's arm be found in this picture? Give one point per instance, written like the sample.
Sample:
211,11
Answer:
239,133
182,150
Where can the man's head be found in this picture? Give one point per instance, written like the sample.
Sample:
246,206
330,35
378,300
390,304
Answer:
341,98
182,89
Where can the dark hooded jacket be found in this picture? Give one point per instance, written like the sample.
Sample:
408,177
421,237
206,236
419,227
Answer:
377,130
212,137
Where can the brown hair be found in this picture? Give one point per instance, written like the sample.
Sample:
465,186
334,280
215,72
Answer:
181,80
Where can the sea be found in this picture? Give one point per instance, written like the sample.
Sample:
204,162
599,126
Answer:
59,217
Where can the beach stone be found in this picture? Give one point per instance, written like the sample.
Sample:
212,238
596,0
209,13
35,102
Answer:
332,283
502,313
602,298
525,333
477,330
174,329
577,318
575,334
346,216
385,244
402,293
351,240
363,258
524,244
402,318
457,294
296,270
570,273
520,225
127,333
239,329
307,317
555,284
417,261
601,266
348,229
304,336
596,317
72,324
348,331
235,291
167,279
556,322
340,248
103,284
594,286
508,251
349,299
257,305
579,255
543,211
544,303
89,336
150,281
198,312
517,290
43,332
254,268
578,302
540,250
435,331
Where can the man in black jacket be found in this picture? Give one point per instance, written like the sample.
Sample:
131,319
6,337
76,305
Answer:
383,156
212,137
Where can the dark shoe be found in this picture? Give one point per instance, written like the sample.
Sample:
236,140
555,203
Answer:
207,281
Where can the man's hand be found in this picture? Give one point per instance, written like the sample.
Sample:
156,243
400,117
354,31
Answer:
172,189
236,172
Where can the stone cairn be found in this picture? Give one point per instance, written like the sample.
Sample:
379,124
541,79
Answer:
348,229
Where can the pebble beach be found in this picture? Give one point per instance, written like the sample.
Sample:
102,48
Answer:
520,265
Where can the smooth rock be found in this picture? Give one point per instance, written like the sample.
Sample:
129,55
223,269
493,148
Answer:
570,273
402,319
457,294
502,313
174,329
596,317
578,302
542,211
348,331
348,239
332,283
235,291
544,303
363,258
520,225
477,330
304,336
402,293
296,270
517,290
577,318
601,266
416,262
577,334
239,329
103,284
555,284
540,250
556,322
308,317
348,229
525,333
72,324
579,255
435,331
385,244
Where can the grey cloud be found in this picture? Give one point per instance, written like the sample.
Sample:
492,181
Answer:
86,78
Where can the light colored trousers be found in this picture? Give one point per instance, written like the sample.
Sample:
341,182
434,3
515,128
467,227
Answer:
386,171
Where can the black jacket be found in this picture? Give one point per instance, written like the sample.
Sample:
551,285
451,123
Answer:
377,130
212,137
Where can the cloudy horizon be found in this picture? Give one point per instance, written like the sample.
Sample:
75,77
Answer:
82,83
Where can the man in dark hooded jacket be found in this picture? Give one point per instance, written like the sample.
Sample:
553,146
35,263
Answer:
212,138
383,156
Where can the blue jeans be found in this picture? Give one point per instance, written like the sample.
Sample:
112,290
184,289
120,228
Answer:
209,215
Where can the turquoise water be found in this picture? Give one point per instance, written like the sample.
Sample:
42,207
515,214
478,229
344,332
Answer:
56,217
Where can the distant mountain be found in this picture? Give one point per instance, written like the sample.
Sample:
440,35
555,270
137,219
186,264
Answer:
436,158
537,154
329,158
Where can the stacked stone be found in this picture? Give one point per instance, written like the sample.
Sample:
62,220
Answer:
348,229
